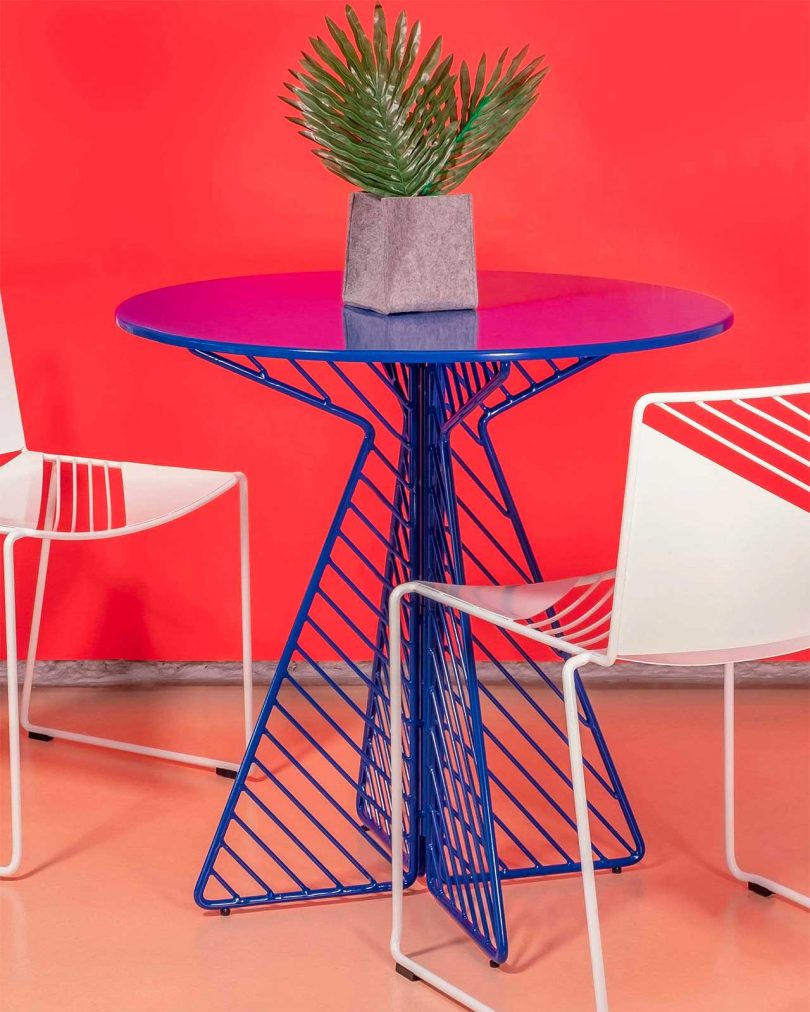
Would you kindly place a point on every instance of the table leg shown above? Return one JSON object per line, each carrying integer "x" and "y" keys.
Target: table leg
{"x": 497, "y": 799}
{"x": 461, "y": 861}
{"x": 308, "y": 815}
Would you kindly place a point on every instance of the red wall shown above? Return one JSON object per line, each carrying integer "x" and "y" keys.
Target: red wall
{"x": 143, "y": 144}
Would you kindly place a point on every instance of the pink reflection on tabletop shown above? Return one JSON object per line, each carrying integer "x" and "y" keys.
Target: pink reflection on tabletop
{"x": 521, "y": 315}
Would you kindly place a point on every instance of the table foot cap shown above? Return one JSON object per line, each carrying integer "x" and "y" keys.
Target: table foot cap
{"x": 38, "y": 736}
{"x": 403, "y": 971}
{"x": 228, "y": 774}
{"x": 754, "y": 887}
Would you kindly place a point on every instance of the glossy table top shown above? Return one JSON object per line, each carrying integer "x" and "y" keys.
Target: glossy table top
{"x": 520, "y": 316}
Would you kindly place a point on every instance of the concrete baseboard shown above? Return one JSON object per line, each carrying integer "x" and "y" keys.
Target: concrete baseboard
{"x": 154, "y": 673}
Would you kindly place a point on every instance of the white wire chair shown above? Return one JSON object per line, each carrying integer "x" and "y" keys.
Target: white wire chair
{"x": 49, "y": 497}
{"x": 713, "y": 568}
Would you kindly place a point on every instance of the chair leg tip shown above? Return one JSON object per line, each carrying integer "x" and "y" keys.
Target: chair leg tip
{"x": 754, "y": 887}
{"x": 403, "y": 971}
{"x": 38, "y": 736}
{"x": 228, "y": 774}
{"x": 616, "y": 870}
{"x": 494, "y": 964}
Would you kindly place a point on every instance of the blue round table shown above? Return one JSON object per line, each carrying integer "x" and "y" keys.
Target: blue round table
{"x": 487, "y": 795}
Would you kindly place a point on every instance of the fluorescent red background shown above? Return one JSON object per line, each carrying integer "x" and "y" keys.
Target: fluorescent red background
{"x": 143, "y": 144}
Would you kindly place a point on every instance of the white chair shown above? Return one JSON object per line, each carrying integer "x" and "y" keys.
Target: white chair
{"x": 713, "y": 568}
{"x": 62, "y": 498}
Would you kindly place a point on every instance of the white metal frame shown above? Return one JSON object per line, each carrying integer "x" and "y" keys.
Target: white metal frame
{"x": 579, "y": 657}
{"x": 190, "y": 490}
{"x": 603, "y": 648}
{"x": 752, "y": 879}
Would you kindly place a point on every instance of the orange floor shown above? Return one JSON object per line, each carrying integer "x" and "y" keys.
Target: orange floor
{"x": 102, "y": 916}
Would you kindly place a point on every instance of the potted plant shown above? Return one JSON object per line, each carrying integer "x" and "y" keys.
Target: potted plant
{"x": 407, "y": 132}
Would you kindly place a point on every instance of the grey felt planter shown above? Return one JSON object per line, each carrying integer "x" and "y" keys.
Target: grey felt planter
{"x": 410, "y": 254}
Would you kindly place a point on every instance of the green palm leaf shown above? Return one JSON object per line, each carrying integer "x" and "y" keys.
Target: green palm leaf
{"x": 488, "y": 113}
{"x": 374, "y": 119}
{"x": 397, "y": 127}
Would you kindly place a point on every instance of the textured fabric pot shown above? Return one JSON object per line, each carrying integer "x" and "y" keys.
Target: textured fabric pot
{"x": 410, "y": 254}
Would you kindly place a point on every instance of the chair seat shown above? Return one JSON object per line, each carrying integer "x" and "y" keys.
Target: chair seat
{"x": 80, "y": 498}
{"x": 576, "y": 610}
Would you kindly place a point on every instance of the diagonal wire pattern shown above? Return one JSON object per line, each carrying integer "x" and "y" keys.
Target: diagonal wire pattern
{"x": 524, "y": 728}
{"x": 317, "y": 780}
{"x": 487, "y": 795}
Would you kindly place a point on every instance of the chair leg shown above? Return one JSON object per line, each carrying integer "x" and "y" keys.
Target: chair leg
{"x": 406, "y": 966}
{"x": 244, "y": 567}
{"x": 756, "y": 883}
{"x": 583, "y": 828}
{"x": 13, "y": 712}
{"x": 223, "y": 766}
{"x": 33, "y": 639}
{"x": 230, "y": 770}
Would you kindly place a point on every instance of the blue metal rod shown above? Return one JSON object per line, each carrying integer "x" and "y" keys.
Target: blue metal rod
{"x": 275, "y": 819}
{"x": 244, "y": 865}
{"x": 327, "y": 796}
{"x": 270, "y": 853}
{"x": 315, "y": 822}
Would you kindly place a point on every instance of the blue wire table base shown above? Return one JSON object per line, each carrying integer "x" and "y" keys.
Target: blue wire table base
{"x": 487, "y": 787}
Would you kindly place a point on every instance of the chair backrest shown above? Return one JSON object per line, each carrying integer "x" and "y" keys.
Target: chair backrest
{"x": 11, "y": 429}
{"x": 714, "y": 555}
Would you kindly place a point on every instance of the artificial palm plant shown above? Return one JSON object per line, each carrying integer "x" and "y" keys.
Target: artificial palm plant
{"x": 397, "y": 127}
{"x": 402, "y": 129}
